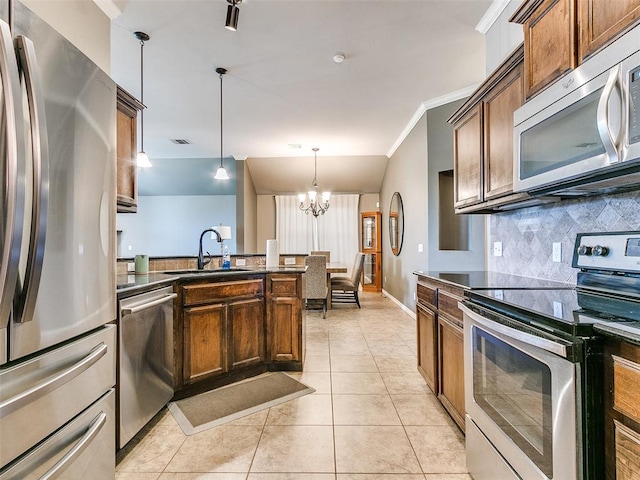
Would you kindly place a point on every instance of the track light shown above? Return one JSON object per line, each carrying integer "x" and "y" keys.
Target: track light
{"x": 233, "y": 13}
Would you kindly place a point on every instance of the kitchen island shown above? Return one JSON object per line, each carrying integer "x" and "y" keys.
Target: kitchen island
{"x": 230, "y": 324}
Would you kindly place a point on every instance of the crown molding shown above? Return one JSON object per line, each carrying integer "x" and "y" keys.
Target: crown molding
{"x": 491, "y": 15}
{"x": 109, "y": 8}
{"x": 427, "y": 105}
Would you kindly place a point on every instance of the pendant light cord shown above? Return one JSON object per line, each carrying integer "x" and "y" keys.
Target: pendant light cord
{"x": 142, "y": 94}
{"x": 221, "y": 120}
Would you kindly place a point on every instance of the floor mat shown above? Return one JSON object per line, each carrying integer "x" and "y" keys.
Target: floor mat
{"x": 206, "y": 410}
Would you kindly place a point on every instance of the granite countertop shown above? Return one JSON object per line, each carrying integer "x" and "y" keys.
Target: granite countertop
{"x": 130, "y": 282}
{"x": 482, "y": 279}
{"x": 626, "y": 331}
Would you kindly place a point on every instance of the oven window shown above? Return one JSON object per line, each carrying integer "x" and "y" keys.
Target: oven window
{"x": 567, "y": 137}
{"x": 514, "y": 389}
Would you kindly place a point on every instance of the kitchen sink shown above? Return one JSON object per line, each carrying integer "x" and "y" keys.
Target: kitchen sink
{"x": 210, "y": 270}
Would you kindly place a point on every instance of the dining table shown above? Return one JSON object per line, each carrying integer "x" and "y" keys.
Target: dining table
{"x": 333, "y": 267}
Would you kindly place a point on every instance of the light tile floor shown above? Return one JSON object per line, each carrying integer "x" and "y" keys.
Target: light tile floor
{"x": 372, "y": 416}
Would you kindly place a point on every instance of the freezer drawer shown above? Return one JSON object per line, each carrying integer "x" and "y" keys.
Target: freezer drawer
{"x": 84, "y": 449}
{"x": 40, "y": 395}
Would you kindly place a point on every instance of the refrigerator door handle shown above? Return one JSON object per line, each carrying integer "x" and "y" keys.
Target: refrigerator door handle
{"x": 24, "y": 305}
{"x": 62, "y": 464}
{"x": 14, "y": 403}
{"x": 13, "y": 177}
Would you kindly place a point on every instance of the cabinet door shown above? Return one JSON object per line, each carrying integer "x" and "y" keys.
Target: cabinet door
{"x": 427, "y": 346}
{"x": 451, "y": 375}
{"x": 467, "y": 141}
{"x": 499, "y": 105}
{"x": 549, "y": 43}
{"x": 126, "y": 151}
{"x": 246, "y": 333}
{"x": 283, "y": 329}
{"x": 601, "y": 21}
{"x": 205, "y": 350}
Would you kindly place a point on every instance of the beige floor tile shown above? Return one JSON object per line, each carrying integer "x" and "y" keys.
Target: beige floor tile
{"x": 444, "y": 476}
{"x": 258, "y": 418}
{"x": 353, "y": 364}
{"x": 379, "y": 476}
{"x": 317, "y": 363}
{"x": 152, "y": 452}
{"x": 364, "y": 410}
{"x": 219, "y": 449}
{"x": 396, "y": 364}
{"x": 349, "y": 348}
{"x": 358, "y": 383}
{"x": 421, "y": 409}
{"x": 439, "y": 449}
{"x": 136, "y": 476}
{"x": 291, "y": 476}
{"x": 391, "y": 349}
{"x": 405, "y": 383}
{"x": 312, "y": 409}
{"x": 203, "y": 476}
{"x": 298, "y": 448}
{"x": 319, "y": 381}
{"x": 374, "y": 449}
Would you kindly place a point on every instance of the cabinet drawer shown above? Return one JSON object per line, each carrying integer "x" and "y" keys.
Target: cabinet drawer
{"x": 210, "y": 292}
{"x": 281, "y": 286}
{"x": 627, "y": 452}
{"x": 448, "y": 304}
{"x": 427, "y": 295}
{"x": 626, "y": 378}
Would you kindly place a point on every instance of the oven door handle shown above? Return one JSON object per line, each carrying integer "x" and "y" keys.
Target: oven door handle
{"x": 543, "y": 343}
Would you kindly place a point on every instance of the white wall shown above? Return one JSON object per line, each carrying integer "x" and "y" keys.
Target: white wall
{"x": 503, "y": 37}
{"x": 171, "y": 225}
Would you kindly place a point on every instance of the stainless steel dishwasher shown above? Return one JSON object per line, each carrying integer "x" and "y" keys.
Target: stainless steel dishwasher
{"x": 146, "y": 366}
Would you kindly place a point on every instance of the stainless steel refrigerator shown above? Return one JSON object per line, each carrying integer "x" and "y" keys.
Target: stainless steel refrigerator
{"x": 57, "y": 247}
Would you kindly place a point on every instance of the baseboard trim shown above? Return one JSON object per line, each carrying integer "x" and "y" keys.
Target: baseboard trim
{"x": 406, "y": 309}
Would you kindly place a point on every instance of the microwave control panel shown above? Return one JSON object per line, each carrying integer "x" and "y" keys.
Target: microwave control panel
{"x": 634, "y": 105}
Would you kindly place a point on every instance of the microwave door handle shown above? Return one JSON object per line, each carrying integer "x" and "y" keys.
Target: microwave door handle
{"x": 24, "y": 306}
{"x": 604, "y": 119}
{"x": 14, "y": 175}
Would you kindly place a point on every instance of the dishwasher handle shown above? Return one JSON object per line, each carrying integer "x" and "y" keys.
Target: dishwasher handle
{"x": 144, "y": 306}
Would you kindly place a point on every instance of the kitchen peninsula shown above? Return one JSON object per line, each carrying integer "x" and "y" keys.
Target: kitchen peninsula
{"x": 230, "y": 324}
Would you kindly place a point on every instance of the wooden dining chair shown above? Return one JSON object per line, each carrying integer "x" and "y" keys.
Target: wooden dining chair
{"x": 345, "y": 289}
{"x": 316, "y": 281}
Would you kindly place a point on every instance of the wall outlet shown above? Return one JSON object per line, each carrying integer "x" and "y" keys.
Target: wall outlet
{"x": 131, "y": 266}
{"x": 557, "y": 252}
{"x": 557, "y": 309}
{"x": 497, "y": 249}
{"x": 241, "y": 262}
{"x": 420, "y": 248}
{"x": 289, "y": 261}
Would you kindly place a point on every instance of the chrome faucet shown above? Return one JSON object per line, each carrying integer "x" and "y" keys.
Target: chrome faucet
{"x": 201, "y": 261}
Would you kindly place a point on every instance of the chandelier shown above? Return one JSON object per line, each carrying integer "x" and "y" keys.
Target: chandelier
{"x": 311, "y": 202}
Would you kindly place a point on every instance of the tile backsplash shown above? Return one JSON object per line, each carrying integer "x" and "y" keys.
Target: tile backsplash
{"x": 528, "y": 235}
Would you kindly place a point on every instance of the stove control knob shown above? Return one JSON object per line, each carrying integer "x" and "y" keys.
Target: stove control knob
{"x": 584, "y": 250}
{"x": 599, "y": 251}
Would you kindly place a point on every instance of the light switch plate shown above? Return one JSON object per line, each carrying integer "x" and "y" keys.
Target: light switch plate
{"x": 420, "y": 248}
{"x": 131, "y": 267}
{"x": 241, "y": 262}
{"x": 497, "y": 249}
{"x": 557, "y": 252}
{"x": 289, "y": 261}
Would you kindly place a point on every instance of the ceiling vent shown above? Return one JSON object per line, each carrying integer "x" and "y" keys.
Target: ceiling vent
{"x": 181, "y": 141}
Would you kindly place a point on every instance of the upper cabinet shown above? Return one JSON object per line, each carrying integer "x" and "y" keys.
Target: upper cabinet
{"x": 561, "y": 34}
{"x": 483, "y": 141}
{"x": 127, "y": 148}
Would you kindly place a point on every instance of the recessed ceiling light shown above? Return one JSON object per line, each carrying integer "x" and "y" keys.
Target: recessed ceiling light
{"x": 339, "y": 57}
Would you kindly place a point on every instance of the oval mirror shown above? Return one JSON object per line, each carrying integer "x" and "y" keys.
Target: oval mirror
{"x": 396, "y": 223}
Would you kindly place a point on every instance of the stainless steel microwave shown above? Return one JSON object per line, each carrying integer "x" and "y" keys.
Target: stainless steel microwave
{"x": 581, "y": 135}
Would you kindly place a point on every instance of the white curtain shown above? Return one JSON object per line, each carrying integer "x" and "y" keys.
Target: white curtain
{"x": 337, "y": 228}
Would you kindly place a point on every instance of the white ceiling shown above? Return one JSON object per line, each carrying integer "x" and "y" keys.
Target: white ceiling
{"x": 282, "y": 85}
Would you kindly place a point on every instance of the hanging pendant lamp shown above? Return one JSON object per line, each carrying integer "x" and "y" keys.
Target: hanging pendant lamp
{"x": 221, "y": 173}
{"x": 142, "y": 160}
{"x": 233, "y": 13}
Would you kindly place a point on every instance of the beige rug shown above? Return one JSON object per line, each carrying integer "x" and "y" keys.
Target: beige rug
{"x": 224, "y": 404}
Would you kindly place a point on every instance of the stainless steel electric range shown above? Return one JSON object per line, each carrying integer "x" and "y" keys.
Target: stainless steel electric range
{"x": 533, "y": 366}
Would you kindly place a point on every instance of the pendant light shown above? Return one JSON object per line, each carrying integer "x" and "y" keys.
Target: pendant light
{"x": 233, "y": 13}
{"x": 221, "y": 174}
{"x": 312, "y": 202}
{"x": 142, "y": 159}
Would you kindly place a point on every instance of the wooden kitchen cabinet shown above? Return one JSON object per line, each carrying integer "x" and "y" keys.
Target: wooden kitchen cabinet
{"x": 561, "y": 34}
{"x": 285, "y": 321}
{"x": 246, "y": 333}
{"x": 127, "y": 109}
{"x": 622, "y": 410}
{"x": 441, "y": 343}
{"x": 483, "y": 142}
{"x": 205, "y": 352}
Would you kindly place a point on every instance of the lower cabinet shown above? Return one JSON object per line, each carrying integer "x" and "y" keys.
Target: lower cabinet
{"x": 246, "y": 333}
{"x": 205, "y": 342}
{"x": 441, "y": 344}
{"x": 284, "y": 319}
{"x": 622, "y": 411}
